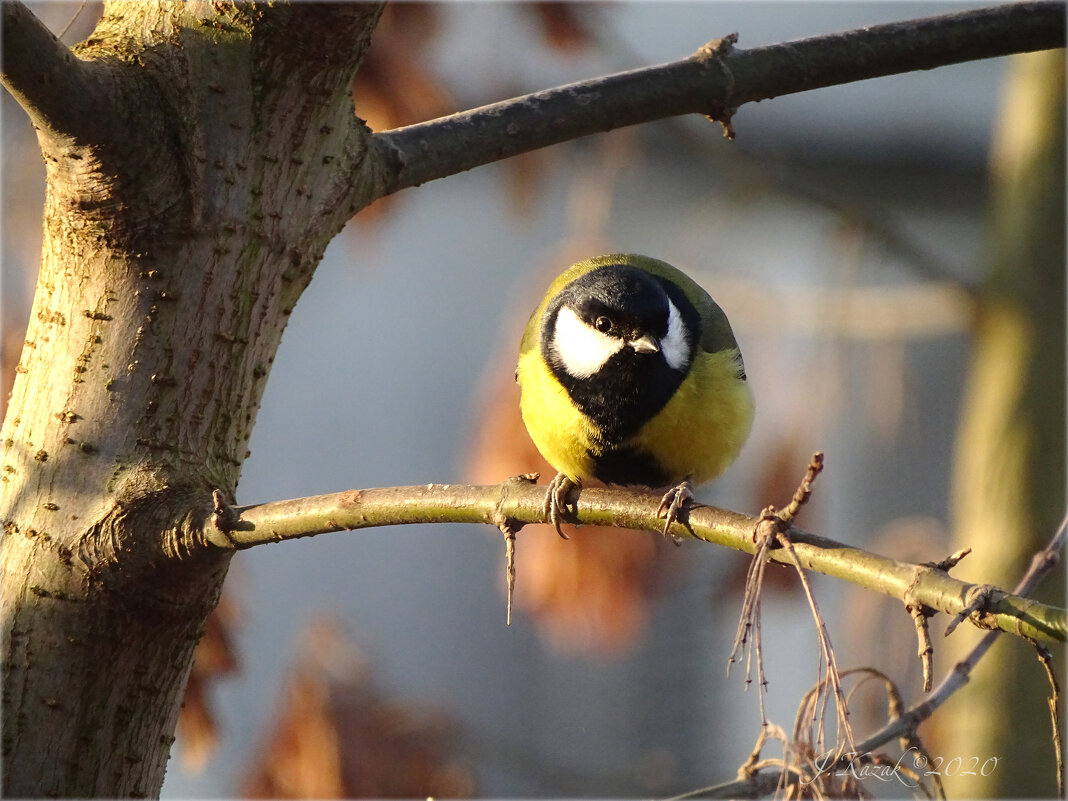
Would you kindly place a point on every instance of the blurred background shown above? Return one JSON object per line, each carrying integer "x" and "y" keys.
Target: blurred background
{"x": 856, "y": 238}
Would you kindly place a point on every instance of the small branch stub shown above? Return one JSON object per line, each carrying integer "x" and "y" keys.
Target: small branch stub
{"x": 925, "y": 651}
{"x": 920, "y": 613}
{"x": 951, "y": 561}
{"x": 223, "y": 515}
{"x": 804, "y": 491}
{"x": 509, "y": 558}
{"x": 980, "y": 597}
{"x": 1046, "y": 659}
{"x": 509, "y": 527}
{"x": 223, "y": 521}
{"x": 715, "y": 50}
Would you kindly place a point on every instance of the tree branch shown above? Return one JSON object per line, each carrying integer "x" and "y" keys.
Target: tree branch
{"x": 903, "y": 723}
{"x": 714, "y": 81}
{"x": 518, "y": 502}
{"x": 55, "y": 88}
{"x": 958, "y": 675}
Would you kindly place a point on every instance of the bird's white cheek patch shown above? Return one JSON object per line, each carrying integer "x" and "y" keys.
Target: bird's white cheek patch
{"x": 674, "y": 346}
{"x": 581, "y": 349}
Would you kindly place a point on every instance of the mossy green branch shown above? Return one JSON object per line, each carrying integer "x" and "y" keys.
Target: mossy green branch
{"x": 517, "y": 502}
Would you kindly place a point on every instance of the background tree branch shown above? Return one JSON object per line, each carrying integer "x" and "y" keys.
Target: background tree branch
{"x": 516, "y": 502}
{"x": 714, "y": 81}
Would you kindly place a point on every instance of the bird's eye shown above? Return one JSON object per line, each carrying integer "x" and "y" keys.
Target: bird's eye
{"x": 603, "y": 324}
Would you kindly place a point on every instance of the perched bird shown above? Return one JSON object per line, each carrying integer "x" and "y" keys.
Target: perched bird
{"x": 630, "y": 374}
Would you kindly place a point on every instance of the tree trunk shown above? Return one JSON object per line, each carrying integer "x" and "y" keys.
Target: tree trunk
{"x": 1009, "y": 481}
{"x": 198, "y": 162}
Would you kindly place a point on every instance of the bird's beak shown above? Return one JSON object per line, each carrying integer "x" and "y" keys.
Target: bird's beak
{"x": 644, "y": 344}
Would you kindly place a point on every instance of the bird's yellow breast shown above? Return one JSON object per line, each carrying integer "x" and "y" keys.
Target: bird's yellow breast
{"x": 561, "y": 432}
{"x": 705, "y": 423}
{"x": 696, "y": 435}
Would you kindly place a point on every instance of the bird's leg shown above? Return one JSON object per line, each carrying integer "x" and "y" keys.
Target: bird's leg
{"x": 675, "y": 502}
{"x": 556, "y": 501}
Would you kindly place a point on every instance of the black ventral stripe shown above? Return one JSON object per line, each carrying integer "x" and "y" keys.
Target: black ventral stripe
{"x": 629, "y": 466}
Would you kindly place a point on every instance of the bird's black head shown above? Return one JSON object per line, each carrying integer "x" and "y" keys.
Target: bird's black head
{"x": 620, "y": 340}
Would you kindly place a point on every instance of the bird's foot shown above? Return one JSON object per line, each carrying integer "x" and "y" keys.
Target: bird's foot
{"x": 675, "y": 506}
{"x": 558, "y": 504}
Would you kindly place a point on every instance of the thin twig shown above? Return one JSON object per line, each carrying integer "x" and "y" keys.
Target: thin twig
{"x": 747, "y": 635}
{"x": 910, "y": 740}
{"x": 752, "y": 766}
{"x": 764, "y": 535}
{"x": 771, "y": 530}
{"x": 71, "y": 21}
{"x": 925, "y": 651}
{"x": 787, "y": 516}
{"x": 827, "y": 649}
{"x": 804, "y": 491}
{"x": 1046, "y": 658}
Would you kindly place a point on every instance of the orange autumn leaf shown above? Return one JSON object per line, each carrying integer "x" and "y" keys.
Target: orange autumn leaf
{"x": 338, "y": 736}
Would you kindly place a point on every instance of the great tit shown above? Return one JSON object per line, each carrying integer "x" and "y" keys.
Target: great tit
{"x": 629, "y": 373}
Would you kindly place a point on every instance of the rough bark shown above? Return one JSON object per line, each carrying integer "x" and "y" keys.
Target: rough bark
{"x": 198, "y": 161}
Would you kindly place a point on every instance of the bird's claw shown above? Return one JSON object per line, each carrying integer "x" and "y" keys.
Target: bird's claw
{"x": 674, "y": 506}
{"x": 556, "y": 502}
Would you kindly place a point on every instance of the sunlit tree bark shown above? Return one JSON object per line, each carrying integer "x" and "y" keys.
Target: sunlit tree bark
{"x": 198, "y": 162}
